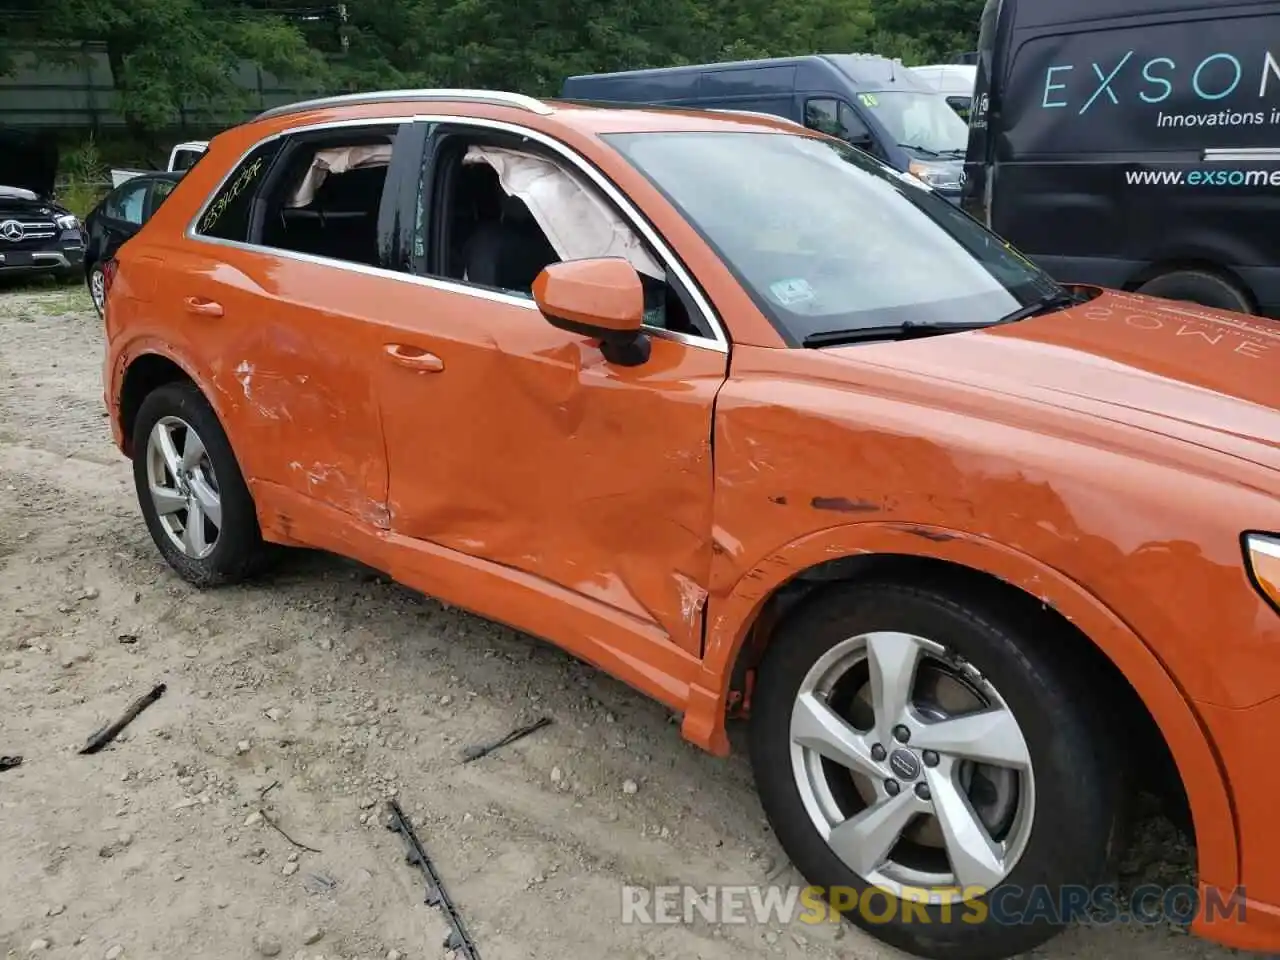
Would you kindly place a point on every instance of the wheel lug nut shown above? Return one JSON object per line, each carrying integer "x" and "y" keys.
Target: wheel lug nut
{"x": 892, "y": 787}
{"x": 930, "y": 758}
{"x": 901, "y": 733}
{"x": 922, "y": 791}
{"x": 878, "y": 753}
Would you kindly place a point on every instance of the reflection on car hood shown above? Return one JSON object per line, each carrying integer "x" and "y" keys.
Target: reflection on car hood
{"x": 1205, "y": 376}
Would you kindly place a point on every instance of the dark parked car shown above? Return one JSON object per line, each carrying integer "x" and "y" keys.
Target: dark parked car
{"x": 116, "y": 218}
{"x": 36, "y": 235}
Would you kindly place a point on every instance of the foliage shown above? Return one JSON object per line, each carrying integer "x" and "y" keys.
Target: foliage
{"x": 85, "y": 178}
{"x": 80, "y": 196}
{"x": 85, "y": 162}
{"x": 927, "y": 30}
{"x": 169, "y": 56}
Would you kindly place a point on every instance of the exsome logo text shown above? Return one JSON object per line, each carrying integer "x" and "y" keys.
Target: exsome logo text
{"x": 1214, "y": 78}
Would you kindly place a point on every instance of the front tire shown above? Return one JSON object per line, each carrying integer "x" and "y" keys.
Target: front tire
{"x": 193, "y": 496}
{"x": 906, "y": 744}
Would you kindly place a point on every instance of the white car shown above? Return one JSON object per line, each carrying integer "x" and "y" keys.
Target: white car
{"x": 181, "y": 157}
{"x": 955, "y": 81}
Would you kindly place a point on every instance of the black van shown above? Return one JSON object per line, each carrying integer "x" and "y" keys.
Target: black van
{"x": 872, "y": 102}
{"x": 1134, "y": 144}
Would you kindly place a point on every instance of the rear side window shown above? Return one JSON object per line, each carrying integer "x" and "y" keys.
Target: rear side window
{"x": 1157, "y": 87}
{"x": 227, "y": 215}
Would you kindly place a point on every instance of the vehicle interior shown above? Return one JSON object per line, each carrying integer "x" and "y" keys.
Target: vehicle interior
{"x": 504, "y": 210}
{"x": 493, "y": 238}
{"x": 325, "y": 200}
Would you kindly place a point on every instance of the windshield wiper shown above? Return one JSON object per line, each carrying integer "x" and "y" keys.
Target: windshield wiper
{"x": 894, "y": 331}
{"x": 1052, "y": 301}
{"x": 916, "y": 146}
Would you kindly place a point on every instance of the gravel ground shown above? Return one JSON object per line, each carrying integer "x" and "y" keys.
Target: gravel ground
{"x": 337, "y": 690}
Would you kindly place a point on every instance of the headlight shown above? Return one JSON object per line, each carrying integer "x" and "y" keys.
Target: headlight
{"x": 67, "y": 221}
{"x": 1262, "y": 557}
{"x": 935, "y": 175}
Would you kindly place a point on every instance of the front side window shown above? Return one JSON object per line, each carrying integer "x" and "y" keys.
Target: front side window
{"x": 836, "y": 119}
{"x": 826, "y": 239}
{"x": 502, "y": 215}
{"x": 226, "y": 216}
{"x": 919, "y": 121}
{"x": 961, "y": 105}
{"x": 160, "y": 189}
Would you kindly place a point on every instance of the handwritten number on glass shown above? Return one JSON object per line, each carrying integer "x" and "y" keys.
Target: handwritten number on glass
{"x": 228, "y": 196}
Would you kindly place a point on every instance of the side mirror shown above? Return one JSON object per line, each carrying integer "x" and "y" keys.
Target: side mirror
{"x": 601, "y": 298}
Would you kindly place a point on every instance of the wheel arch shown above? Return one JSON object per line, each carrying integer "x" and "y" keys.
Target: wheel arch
{"x": 1214, "y": 268}
{"x": 742, "y": 624}
{"x": 142, "y": 373}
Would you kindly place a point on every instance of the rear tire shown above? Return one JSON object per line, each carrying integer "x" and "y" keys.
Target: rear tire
{"x": 196, "y": 504}
{"x": 1199, "y": 286}
{"x": 1060, "y": 831}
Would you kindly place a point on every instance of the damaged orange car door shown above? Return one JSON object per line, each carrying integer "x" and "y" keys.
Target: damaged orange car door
{"x": 518, "y": 443}
{"x": 257, "y": 308}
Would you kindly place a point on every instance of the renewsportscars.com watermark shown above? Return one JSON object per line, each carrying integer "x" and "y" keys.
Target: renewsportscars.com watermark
{"x": 1005, "y": 906}
{"x": 1202, "y": 178}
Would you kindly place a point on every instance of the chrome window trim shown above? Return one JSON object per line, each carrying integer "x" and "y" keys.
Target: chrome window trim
{"x": 719, "y": 342}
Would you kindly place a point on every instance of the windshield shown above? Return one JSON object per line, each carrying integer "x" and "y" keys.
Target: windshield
{"x": 923, "y": 120}
{"x": 826, "y": 239}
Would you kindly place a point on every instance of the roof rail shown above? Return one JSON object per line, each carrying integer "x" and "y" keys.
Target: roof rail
{"x": 497, "y": 97}
{"x": 759, "y": 113}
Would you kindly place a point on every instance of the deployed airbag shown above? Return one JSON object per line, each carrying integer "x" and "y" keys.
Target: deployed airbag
{"x": 337, "y": 160}
{"x": 577, "y": 223}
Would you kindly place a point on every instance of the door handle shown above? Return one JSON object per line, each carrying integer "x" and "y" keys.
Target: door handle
{"x": 203, "y": 308}
{"x": 414, "y": 357}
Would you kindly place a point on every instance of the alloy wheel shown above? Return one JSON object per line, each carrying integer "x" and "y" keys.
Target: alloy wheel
{"x": 98, "y": 289}
{"x": 911, "y": 766}
{"x": 183, "y": 487}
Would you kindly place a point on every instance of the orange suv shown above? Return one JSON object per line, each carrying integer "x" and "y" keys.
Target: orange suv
{"x": 767, "y": 430}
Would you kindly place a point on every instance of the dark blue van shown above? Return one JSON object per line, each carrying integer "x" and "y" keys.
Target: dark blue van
{"x": 872, "y": 102}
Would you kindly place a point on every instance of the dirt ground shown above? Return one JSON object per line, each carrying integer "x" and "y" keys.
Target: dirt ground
{"x": 337, "y": 690}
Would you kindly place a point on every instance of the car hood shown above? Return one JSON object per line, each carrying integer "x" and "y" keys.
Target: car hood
{"x": 1200, "y": 375}
{"x": 24, "y": 206}
{"x": 28, "y": 162}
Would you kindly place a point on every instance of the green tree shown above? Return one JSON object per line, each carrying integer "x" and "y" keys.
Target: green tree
{"x": 169, "y": 56}
{"x": 926, "y": 31}
{"x": 531, "y": 46}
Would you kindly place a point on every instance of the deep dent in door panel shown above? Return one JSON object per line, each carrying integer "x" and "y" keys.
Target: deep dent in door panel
{"x": 551, "y": 461}
{"x": 295, "y": 377}
{"x": 601, "y": 545}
